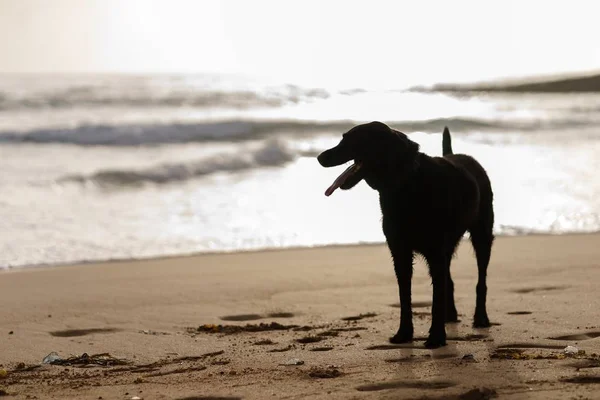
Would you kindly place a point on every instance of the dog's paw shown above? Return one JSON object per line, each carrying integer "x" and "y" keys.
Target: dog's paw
{"x": 437, "y": 338}
{"x": 481, "y": 321}
{"x": 434, "y": 342}
{"x": 402, "y": 337}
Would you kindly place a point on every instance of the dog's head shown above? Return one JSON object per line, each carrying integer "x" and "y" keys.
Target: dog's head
{"x": 382, "y": 156}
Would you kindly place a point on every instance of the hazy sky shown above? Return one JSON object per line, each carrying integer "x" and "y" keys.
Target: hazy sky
{"x": 356, "y": 42}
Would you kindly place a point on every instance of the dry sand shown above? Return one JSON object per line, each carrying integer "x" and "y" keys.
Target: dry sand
{"x": 543, "y": 296}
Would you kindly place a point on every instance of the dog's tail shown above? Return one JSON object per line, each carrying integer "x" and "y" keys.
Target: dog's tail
{"x": 446, "y": 142}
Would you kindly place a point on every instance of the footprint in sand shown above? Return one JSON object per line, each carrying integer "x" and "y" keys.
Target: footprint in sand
{"x": 539, "y": 289}
{"x": 82, "y": 332}
{"x": 519, "y": 312}
{"x": 241, "y": 317}
{"x": 282, "y": 350}
{"x": 402, "y": 360}
{"x": 405, "y": 385}
{"x": 350, "y": 329}
{"x": 585, "y": 364}
{"x": 325, "y": 348}
{"x": 577, "y": 336}
{"x": 281, "y": 315}
{"x": 254, "y": 317}
{"x": 310, "y": 339}
{"x": 264, "y": 342}
{"x": 582, "y": 379}
{"x": 359, "y": 317}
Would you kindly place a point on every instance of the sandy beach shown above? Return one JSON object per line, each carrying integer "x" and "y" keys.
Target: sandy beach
{"x": 168, "y": 326}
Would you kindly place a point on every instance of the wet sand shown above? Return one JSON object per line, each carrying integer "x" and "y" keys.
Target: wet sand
{"x": 309, "y": 323}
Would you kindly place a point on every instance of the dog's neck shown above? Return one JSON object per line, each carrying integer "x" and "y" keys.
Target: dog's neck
{"x": 407, "y": 173}
{"x": 399, "y": 175}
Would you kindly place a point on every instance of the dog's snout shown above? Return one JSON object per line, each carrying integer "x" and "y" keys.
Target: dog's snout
{"x": 335, "y": 156}
{"x": 321, "y": 158}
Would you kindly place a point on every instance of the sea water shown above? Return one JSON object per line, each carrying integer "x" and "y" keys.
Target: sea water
{"x": 99, "y": 167}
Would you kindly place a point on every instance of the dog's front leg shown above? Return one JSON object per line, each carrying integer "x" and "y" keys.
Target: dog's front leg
{"x": 403, "y": 266}
{"x": 439, "y": 276}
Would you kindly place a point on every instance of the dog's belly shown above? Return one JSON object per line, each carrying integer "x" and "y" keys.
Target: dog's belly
{"x": 426, "y": 229}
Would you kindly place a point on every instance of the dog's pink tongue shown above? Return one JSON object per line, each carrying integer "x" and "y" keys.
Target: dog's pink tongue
{"x": 341, "y": 179}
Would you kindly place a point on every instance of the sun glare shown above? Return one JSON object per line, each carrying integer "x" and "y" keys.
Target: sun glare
{"x": 376, "y": 43}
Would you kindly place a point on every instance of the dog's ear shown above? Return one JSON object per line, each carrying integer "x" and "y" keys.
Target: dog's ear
{"x": 403, "y": 154}
{"x": 404, "y": 146}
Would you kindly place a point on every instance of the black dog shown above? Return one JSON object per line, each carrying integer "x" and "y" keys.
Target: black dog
{"x": 428, "y": 203}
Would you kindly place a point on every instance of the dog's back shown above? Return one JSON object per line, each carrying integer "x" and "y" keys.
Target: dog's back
{"x": 471, "y": 167}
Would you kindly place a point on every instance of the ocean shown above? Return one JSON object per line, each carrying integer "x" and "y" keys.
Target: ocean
{"x": 103, "y": 167}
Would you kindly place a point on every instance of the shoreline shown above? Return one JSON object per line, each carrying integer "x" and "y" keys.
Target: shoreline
{"x": 167, "y": 257}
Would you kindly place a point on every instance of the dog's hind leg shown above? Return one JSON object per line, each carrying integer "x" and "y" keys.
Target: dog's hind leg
{"x": 482, "y": 239}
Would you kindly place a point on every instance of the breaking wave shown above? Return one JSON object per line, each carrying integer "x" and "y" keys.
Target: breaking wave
{"x": 271, "y": 154}
{"x": 144, "y": 96}
{"x": 244, "y": 130}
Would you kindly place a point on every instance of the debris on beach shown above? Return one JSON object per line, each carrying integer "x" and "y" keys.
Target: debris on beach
{"x": 231, "y": 329}
{"x": 22, "y": 367}
{"x": 520, "y": 354}
{"x": 51, "y": 358}
{"x": 153, "y": 333}
{"x": 103, "y": 360}
{"x": 293, "y": 361}
{"x": 571, "y": 350}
